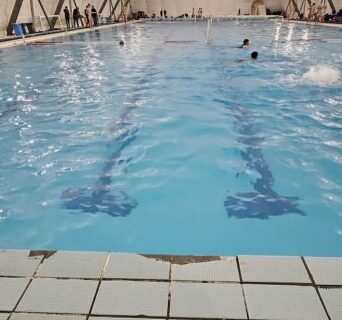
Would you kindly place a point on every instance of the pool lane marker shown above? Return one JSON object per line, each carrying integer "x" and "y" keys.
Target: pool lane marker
{"x": 101, "y": 198}
{"x": 40, "y": 43}
{"x": 263, "y": 202}
{"x": 180, "y": 42}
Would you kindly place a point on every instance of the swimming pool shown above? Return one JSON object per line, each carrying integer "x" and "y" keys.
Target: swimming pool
{"x": 173, "y": 145}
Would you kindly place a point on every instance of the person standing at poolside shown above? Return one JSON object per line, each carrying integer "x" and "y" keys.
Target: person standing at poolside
{"x": 324, "y": 11}
{"x": 319, "y": 14}
{"x": 94, "y": 15}
{"x": 86, "y": 16}
{"x": 165, "y": 13}
{"x": 76, "y": 15}
{"x": 124, "y": 14}
{"x": 90, "y": 18}
{"x": 161, "y": 13}
{"x": 67, "y": 17}
{"x": 312, "y": 12}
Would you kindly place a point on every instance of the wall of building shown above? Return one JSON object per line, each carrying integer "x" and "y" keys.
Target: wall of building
{"x": 210, "y": 7}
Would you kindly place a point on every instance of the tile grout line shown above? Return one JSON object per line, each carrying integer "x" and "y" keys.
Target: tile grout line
{"x": 110, "y": 316}
{"x": 169, "y": 294}
{"x": 27, "y": 286}
{"x": 316, "y": 287}
{"x": 298, "y": 284}
{"x": 241, "y": 282}
{"x": 104, "y": 269}
{"x": 46, "y": 313}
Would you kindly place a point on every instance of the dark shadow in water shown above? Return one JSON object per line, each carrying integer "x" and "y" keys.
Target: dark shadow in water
{"x": 103, "y": 197}
{"x": 263, "y": 202}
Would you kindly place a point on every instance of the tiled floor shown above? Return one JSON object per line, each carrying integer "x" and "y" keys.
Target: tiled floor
{"x": 90, "y": 286}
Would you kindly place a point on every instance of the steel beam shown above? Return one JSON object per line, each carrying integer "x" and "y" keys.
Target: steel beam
{"x": 114, "y": 8}
{"x": 103, "y": 6}
{"x": 45, "y": 14}
{"x": 296, "y": 7}
{"x": 14, "y": 16}
{"x": 57, "y": 12}
{"x": 32, "y": 15}
{"x": 332, "y": 6}
{"x": 124, "y": 6}
{"x": 111, "y": 5}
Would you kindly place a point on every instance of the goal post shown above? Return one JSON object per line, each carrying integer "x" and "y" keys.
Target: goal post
{"x": 44, "y": 25}
{"x": 217, "y": 27}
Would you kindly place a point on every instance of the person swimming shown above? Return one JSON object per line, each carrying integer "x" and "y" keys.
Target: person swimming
{"x": 121, "y": 42}
{"x": 245, "y": 44}
{"x": 254, "y": 55}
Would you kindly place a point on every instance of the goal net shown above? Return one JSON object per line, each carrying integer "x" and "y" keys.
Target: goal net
{"x": 220, "y": 28}
{"x": 41, "y": 23}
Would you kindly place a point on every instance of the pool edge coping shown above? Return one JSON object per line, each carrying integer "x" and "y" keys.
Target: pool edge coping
{"x": 66, "y": 33}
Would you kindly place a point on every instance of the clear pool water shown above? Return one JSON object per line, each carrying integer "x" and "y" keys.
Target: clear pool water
{"x": 172, "y": 145}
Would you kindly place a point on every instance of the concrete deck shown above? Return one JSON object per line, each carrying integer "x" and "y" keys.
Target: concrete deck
{"x": 39, "y": 285}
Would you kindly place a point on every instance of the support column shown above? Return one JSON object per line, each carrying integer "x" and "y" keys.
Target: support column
{"x": 14, "y": 16}
{"x": 32, "y": 16}
{"x": 57, "y": 12}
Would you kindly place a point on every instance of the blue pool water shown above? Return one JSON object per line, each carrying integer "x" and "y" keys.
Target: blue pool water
{"x": 170, "y": 144}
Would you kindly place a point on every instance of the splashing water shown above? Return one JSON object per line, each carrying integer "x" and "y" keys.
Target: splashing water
{"x": 322, "y": 75}
{"x": 319, "y": 75}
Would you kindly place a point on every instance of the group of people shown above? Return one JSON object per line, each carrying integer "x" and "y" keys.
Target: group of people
{"x": 90, "y": 14}
{"x": 317, "y": 12}
{"x": 163, "y": 13}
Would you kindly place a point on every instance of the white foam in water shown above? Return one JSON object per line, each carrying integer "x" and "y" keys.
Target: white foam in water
{"x": 322, "y": 75}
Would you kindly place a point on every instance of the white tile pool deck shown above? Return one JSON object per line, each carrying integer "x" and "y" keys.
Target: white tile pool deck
{"x": 40, "y": 285}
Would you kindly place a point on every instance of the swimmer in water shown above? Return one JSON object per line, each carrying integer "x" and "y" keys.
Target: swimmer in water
{"x": 254, "y": 55}
{"x": 245, "y": 44}
{"x": 121, "y": 43}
